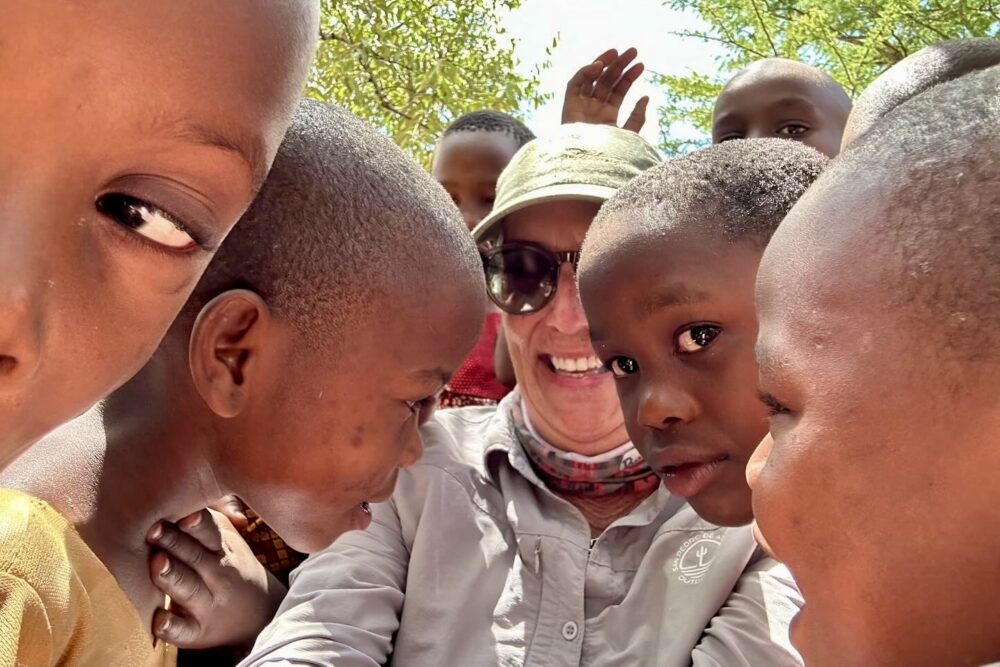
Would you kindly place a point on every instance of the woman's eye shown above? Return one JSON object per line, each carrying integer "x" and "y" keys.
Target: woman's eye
{"x": 145, "y": 219}
{"x": 697, "y": 338}
{"x": 792, "y": 130}
{"x": 730, "y": 137}
{"x": 623, "y": 366}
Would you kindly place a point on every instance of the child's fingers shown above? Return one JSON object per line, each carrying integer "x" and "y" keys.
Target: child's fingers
{"x": 582, "y": 83}
{"x": 184, "y": 549}
{"x": 184, "y": 586}
{"x": 638, "y": 116}
{"x": 181, "y": 631}
{"x": 206, "y": 527}
{"x": 607, "y": 57}
{"x": 624, "y": 84}
{"x": 231, "y": 507}
{"x": 609, "y": 79}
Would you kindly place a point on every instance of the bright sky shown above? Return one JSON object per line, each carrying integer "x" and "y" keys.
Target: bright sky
{"x": 586, "y": 28}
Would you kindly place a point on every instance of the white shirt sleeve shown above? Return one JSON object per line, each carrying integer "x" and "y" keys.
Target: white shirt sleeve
{"x": 751, "y": 629}
{"x": 343, "y": 603}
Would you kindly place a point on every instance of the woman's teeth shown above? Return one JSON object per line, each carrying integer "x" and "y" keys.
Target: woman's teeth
{"x": 576, "y": 364}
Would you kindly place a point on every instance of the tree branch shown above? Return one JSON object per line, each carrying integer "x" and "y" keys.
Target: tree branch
{"x": 760, "y": 20}
{"x": 727, "y": 42}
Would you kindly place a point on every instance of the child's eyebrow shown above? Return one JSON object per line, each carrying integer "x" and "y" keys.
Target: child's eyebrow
{"x": 668, "y": 297}
{"x": 246, "y": 145}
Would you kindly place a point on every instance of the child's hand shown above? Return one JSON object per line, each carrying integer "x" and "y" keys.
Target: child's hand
{"x": 220, "y": 593}
{"x": 596, "y": 92}
{"x": 232, "y": 508}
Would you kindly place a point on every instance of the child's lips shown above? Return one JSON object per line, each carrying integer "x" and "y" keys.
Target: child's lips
{"x": 687, "y": 475}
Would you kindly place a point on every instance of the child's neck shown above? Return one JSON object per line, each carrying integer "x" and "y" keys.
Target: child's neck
{"x": 114, "y": 471}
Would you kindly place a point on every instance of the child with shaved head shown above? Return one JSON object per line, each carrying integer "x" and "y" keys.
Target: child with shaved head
{"x": 666, "y": 278}
{"x": 915, "y": 74}
{"x": 879, "y": 307}
{"x": 775, "y": 97}
{"x": 296, "y": 377}
{"x": 134, "y": 135}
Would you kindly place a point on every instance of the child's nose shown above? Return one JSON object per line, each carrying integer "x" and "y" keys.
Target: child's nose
{"x": 758, "y": 460}
{"x": 662, "y": 406}
{"x": 412, "y": 452}
{"x": 20, "y": 304}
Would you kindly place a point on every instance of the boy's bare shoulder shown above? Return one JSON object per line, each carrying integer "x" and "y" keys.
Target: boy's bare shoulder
{"x": 63, "y": 469}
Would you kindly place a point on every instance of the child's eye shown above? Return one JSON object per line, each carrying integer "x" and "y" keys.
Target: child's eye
{"x": 730, "y": 137}
{"x": 792, "y": 130}
{"x": 697, "y": 338}
{"x": 145, "y": 219}
{"x": 622, "y": 366}
{"x": 423, "y": 408}
{"x": 774, "y": 406}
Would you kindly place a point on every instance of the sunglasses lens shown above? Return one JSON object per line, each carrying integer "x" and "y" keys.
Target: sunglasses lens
{"x": 519, "y": 278}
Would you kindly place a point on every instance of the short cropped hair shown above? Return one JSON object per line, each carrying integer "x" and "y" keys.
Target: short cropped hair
{"x": 344, "y": 224}
{"x": 488, "y": 120}
{"x": 738, "y": 190}
{"x": 916, "y": 74}
{"x": 933, "y": 162}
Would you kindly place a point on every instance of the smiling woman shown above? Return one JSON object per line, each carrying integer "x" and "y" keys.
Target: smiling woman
{"x": 533, "y": 533}
{"x": 150, "y": 170}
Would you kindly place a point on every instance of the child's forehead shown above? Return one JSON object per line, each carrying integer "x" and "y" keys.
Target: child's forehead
{"x": 630, "y": 252}
{"x": 478, "y": 141}
{"x": 775, "y": 90}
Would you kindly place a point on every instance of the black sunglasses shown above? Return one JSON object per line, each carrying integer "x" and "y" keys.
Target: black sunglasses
{"x": 521, "y": 278}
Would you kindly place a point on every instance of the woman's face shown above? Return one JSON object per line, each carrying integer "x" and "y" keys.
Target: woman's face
{"x": 569, "y": 394}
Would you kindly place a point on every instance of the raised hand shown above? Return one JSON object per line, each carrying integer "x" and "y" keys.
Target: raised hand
{"x": 220, "y": 593}
{"x": 596, "y": 92}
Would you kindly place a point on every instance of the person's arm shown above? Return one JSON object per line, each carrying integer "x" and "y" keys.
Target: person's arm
{"x": 751, "y": 629}
{"x": 596, "y": 92}
{"x": 343, "y": 604}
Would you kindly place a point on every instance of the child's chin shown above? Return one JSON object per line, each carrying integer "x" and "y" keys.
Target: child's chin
{"x": 721, "y": 512}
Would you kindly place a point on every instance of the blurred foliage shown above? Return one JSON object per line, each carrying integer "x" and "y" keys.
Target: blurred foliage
{"x": 411, "y": 66}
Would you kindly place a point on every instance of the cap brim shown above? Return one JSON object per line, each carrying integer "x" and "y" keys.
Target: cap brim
{"x": 490, "y": 226}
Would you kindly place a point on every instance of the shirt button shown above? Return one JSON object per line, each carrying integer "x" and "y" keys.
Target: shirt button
{"x": 570, "y": 630}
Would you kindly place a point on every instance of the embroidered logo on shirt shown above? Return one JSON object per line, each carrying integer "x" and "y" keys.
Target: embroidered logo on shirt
{"x": 695, "y": 557}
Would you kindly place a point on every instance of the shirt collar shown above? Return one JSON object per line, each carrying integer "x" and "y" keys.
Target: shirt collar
{"x": 502, "y": 447}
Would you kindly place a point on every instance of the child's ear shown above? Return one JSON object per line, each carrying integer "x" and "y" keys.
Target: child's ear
{"x": 226, "y": 344}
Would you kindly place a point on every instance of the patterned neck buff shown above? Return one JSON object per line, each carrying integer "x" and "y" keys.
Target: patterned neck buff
{"x": 620, "y": 471}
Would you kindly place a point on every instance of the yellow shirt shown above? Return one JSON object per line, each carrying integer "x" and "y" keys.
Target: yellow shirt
{"x": 59, "y": 605}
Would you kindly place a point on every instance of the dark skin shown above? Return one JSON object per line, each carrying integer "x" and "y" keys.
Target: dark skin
{"x": 155, "y": 141}
{"x": 673, "y": 319}
{"x": 879, "y": 491}
{"x": 207, "y": 422}
{"x": 783, "y": 99}
{"x": 467, "y": 165}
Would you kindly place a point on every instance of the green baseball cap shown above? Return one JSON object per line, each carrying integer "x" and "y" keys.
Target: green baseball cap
{"x": 578, "y": 161}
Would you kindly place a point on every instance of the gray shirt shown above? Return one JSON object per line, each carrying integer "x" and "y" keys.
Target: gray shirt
{"x": 475, "y": 562}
